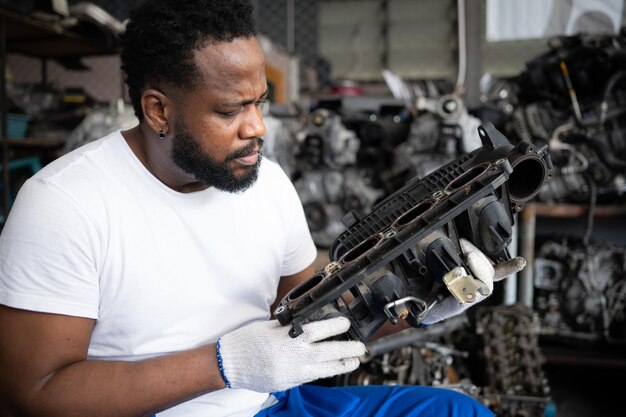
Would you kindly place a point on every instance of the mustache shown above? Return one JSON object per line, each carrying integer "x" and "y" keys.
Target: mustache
{"x": 254, "y": 145}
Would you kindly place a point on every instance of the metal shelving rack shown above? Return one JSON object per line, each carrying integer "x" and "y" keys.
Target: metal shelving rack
{"x": 44, "y": 40}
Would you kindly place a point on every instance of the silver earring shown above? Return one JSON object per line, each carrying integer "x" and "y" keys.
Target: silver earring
{"x": 161, "y": 134}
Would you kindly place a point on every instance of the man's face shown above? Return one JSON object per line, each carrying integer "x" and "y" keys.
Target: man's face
{"x": 191, "y": 158}
{"x": 218, "y": 126}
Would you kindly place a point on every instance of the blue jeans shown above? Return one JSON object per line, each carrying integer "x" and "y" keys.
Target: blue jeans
{"x": 374, "y": 401}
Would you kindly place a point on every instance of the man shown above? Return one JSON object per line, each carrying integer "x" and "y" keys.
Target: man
{"x": 138, "y": 272}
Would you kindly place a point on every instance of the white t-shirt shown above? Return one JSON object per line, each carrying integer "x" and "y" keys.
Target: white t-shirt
{"x": 95, "y": 235}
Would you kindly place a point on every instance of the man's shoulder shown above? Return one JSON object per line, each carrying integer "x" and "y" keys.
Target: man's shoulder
{"x": 81, "y": 161}
{"x": 85, "y": 173}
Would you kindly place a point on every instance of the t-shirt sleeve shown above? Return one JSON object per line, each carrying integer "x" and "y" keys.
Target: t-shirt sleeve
{"x": 48, "y": 254}
{"x": 300, "y": 250}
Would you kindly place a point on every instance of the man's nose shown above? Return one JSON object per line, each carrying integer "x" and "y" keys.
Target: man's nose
{"x": 252, "y": 126}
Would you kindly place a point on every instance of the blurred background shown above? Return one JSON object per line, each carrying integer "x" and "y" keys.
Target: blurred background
{"x": 369, "y": 94}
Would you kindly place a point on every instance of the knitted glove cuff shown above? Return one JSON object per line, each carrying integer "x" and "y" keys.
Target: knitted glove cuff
{"x": 220, "y": 363}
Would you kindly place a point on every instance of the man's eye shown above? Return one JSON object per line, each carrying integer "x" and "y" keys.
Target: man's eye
{"x": 230, "y": 113}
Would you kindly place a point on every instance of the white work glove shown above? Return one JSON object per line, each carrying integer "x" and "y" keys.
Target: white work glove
{"x": 263, "y": 357}
{"x": 483, "y": 272}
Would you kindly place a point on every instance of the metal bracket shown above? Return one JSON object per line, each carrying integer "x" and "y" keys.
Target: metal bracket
{"x": 462, "y": 285}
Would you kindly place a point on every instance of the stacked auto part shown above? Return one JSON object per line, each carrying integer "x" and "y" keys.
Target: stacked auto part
{"x": 512, "y": 362}
{"x": 441, "y": 130}
{"x": 389, "y": 264}
{"x": 352, "y": 153}
{"x": 573, "y": 97}
{"x": 493, "y": 357}
{"x": 326, "y": 177}
{"x": 580, "y": 290}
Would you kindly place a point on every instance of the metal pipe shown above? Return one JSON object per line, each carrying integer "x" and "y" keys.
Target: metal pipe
{"x": 527, "y": 244}
{"x": 462, "y": 45}
{"x": 510, "y": 284}
{"x": 409, "y": 336}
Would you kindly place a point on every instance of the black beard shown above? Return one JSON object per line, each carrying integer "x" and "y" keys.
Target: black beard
{"x": 188, "y": 156}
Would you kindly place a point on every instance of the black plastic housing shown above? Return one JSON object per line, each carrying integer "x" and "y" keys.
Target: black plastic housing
{"x": 389, "y": 264}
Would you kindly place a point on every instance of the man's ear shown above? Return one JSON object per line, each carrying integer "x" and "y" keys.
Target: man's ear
{"x": 156, "y": 109}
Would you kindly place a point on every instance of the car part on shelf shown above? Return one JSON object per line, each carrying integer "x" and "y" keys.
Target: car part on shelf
{"x": 325, "y": 142}
{"x": 412, "y": 335}
{"x": 327, "y": 179}
{"x": 511, "y": 361}
{"x": 493, "y": 357}
{"x": 580, "y": 290}
{"x": 278, "y": 143}
{"x": 442, "y": 129}
{"x": 389, "y": 264}
{"x": 573, "y": 97}
{"x": 327, "y": 195}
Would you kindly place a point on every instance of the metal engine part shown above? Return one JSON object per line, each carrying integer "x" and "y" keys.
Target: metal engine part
{"x": 327, "y": 179}
{"x": 421, "y": 363}
{"x": 580, "y": 290}
{"x": 389, "y": 264}
{"x": 414, "y": 356}
{"x": 494, "y": 358}
{"x": 327, "y": 195}
{"x": 430, "y": 146}
{"x": 277, "y": 144}
{"x": 442, "y": 129}
{"x": 325, "y": 142}
{"x": 512, "y": 361}
{"x": 573, "y": 97}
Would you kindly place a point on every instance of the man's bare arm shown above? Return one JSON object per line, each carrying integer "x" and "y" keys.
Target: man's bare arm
{"x": 44, "y": 371}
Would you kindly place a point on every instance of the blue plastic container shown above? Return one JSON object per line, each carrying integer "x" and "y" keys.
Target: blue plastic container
{"x": 17, "y": 125}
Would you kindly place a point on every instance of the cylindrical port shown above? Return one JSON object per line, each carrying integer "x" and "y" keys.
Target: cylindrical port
{"x": 413, "y": 214}
{"x": 305, "y": 287}
{"x": 283, "y": 314}
{"x": 467, "y": 177}
{"x": 526, "y": 179}
{"x": 361, "y": 249}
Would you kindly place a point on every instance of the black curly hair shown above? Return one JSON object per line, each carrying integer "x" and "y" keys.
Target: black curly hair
{"x": 161, "y": 36}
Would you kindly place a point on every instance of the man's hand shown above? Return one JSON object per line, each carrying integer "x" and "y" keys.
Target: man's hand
{"x": 263, "y": 357}
{"x": 484, "y": 273}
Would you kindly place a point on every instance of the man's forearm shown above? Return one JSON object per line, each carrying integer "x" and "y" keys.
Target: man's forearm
{"x": 116, "y": 388}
